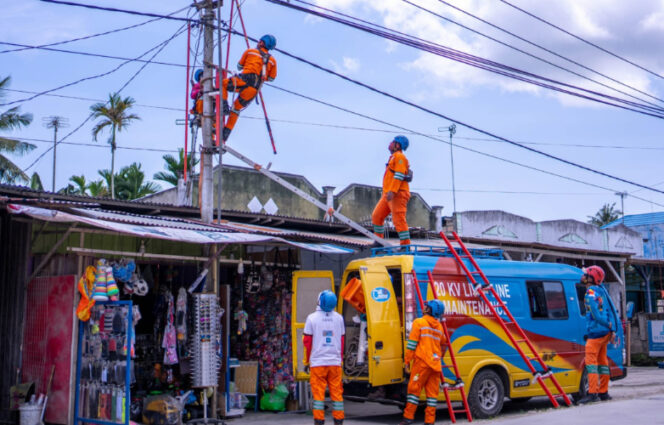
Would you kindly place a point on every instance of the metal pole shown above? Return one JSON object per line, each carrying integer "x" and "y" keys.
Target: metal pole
{"x": 220, "y": 122}
{"x": 55, "y": 122}
{"x": 55, "y": 144}
{"x": 452, "y": 130}
{"x": 622, "y": 204}
{"x": 207, "y": 178}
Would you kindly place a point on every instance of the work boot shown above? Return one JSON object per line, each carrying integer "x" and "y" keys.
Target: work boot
{"x": 605, "y": 396}
{"x": 338, "y": 422}
{"x": 225, "y": 134}
{"x": 319, "y": 421}
{"x": 590, "y": 398}
{"x": 226, "y": 108}
{"x": 406, "y": 421}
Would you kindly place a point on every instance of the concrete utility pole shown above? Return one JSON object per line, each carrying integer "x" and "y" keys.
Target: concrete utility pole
{"x": 55, "y": 122}
{"x": 622, "y": 204}
{"x": 207, "y": 149}
{"x": 452, "y": 130}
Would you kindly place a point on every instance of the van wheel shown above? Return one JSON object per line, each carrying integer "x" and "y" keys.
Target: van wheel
{"x": 486, "y": 395}
{"x": 583, "y": 387}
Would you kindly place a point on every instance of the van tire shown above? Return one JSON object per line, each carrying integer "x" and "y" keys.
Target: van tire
{"x": 486, "y": 395}
{"x": 583, "y": 387}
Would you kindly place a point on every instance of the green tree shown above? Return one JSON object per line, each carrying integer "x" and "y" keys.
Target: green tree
{"x": 175, "y": 167}
{"x": 114, "y": 114}
{"x": 12, "y": 119}
{"x": 36, "y": 183}
{"x": 80, "y": 185}
{"x": 605, "y": 215}
{"x": 98, "y": 188}
{"x": 132, "y": 185}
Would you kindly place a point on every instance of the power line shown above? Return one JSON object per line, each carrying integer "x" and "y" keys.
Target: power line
{"x": 488, "y": 65}
{"x": 516, "y": 192}
{"x": 582, "y": 39}
{"x": 76, "y": 52}
{"x": 97, "y": 145}
{"x": 159, "y": 47}
{"x": 87, "y": 37}
{"x": 546, "y": 50}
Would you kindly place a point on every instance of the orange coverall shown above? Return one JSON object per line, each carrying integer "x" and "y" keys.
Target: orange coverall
{"x": 319, "y": 378}
{"x": 257, "y": 65}
{"x": 597, "y": 364}
{"x": 395, "y": 172}
{"x": 424, "y": 346}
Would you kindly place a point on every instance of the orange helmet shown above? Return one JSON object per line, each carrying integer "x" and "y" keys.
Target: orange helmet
{"x": 596, "y": 273}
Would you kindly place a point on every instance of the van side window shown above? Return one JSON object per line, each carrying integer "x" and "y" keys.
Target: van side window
{"x": 580, "y": 297}
{"x": 547, "y": 300}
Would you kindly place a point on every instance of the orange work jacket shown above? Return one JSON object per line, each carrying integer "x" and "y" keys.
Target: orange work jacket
{"x": 395, "y": 172}
{"x": 251, "y": 62}
{"x": 424, "y": 342}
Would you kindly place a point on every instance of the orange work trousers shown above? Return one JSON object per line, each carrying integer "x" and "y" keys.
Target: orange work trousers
{"x": 397, "y": 206}
{"x": 597, "y": 364}
{"x": 245, "y": 85}
{"x": 329, "y": 376}
{"x": 422, "y": 375}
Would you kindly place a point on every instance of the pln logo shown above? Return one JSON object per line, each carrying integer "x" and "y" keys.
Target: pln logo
{"x": 380, "y": 294}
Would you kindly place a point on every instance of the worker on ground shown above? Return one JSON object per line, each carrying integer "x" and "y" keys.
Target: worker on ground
{"x": 424, "y": 350}
{"x": 256, "y": 66}
{"x": 599, "y": 332}
{"x": 323, "y": 340}
{"x": 396, "y": 192}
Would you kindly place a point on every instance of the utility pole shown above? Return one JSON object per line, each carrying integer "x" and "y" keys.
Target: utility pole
{"x": 622, "y": 204}
{"x": 207, "y": 150}
{"x": 55, "y": 122}
{"x": 452, "y": 130}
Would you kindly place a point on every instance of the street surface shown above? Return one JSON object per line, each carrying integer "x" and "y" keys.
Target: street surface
{"x": 637, "y": 400}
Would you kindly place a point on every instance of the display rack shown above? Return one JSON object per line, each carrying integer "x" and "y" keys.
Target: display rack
{"x": 104, "y": 393}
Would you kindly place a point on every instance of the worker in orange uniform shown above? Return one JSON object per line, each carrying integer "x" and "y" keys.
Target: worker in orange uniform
{"x": 256, "y": 66}
{"x": 324, "y": 334}
{"x": 601, "y": 324}
{"x": 396, "y": 192}
{"x": 424, "y": 350}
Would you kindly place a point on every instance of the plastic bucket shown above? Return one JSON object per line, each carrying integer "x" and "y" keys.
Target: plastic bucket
{"x": 30, "y": 414}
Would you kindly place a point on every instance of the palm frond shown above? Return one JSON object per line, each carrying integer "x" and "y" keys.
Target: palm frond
{"x": 15, "y": 147}
{"x": 36, "y": 183}
{"x": 10, "y": 172}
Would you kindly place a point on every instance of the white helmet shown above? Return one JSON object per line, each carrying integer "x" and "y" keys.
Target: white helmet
{"x": 141, "y": 287}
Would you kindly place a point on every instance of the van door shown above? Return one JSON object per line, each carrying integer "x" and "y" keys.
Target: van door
{"x": 307, "y": 284}
{"x": 383, "y": 327}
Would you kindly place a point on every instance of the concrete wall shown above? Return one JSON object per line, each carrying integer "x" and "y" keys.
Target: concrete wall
{"x": 497, "y": 225}
{"x": 571, "y": 233}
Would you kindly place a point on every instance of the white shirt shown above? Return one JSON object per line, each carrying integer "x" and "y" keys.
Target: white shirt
{"x": 326, "y": 329}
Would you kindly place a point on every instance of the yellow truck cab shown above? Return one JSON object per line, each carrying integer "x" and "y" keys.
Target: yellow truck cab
{"x": 378, "y": 301}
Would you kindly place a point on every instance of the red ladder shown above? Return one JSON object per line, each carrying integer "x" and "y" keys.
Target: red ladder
{"x": 447, "y": 345}
{"x": 482, "y": 289}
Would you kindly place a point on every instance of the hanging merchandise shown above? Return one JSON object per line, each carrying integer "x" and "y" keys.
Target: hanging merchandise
{"x": 205, "y": 341}
{"x": 267, "y": 275}
{"x": 253, "y": 284}
{"x": 169, "y": 342}
{"x": 100, "y": 292}
{"x": 181, "y": 321}
{"x": 140, "y": 286}
{"x": 86, "y": 287}
{"x": 241, "y": 316}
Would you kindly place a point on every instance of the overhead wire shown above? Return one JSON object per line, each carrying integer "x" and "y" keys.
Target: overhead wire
{"x": 488, "y": 65}
{"x": 160, "y": 47}
{"x": 582, "y": 39}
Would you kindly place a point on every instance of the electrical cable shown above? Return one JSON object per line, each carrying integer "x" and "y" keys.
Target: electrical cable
{"x": 538, "y": 57}
{"x": 92, "y": 77}
{"x": 160, "y": 47}
{"x": 97, "y": 145}
{"x": 96, "y": 55}
{"x": 340, "y": 108}
{"x": 488, "y": 65}
{"x": 525, "y": 40}
{"x": 87, "y": 37}
{"x": 582, "y": 39}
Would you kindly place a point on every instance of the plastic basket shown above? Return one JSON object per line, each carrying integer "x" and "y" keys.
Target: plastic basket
{"x": 353, "y": 294}
{"x": 30, "y": 414}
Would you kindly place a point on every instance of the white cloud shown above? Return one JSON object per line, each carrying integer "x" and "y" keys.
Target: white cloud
{"x": 348, "y": 65}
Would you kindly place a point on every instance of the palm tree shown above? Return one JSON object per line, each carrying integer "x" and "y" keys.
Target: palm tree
{"x": 175, "y": 167}
{"x": 9, "y": 120}
{"x": 131, "y": 183}
{"x": 113, "y": 113}
{"x": 80, "y": 184}
{"x": 98, "y": 188}
{"x": 605, "y": 215}
{"x": 36, "y": 183}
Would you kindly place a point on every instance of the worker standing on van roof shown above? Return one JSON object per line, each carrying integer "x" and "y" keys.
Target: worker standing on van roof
{"x": 424, "y": 350}
{"x": 599, "y": 328}
{"x": 257, "y": 65}
{"x": 396, "y": 192}
{"x": 323, "y": 340}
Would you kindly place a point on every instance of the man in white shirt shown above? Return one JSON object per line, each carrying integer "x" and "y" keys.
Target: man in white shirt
{"x": 323, "y": 340}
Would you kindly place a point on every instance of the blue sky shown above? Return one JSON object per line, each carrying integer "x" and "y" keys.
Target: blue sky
{"x": 336, "y": 156}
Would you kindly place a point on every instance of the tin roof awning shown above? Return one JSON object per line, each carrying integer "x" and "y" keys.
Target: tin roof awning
{"x": 181, "y": 230}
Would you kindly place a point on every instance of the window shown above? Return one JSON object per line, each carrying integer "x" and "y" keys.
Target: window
{"x": 580, "y": 297}
{"x": 547, "y": 300}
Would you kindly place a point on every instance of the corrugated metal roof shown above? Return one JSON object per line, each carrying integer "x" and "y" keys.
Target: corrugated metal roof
{"x": 637, "y": 220}
{"x": 145, "y": 220}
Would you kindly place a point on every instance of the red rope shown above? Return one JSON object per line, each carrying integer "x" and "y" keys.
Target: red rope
{"x": 186, "y": 103}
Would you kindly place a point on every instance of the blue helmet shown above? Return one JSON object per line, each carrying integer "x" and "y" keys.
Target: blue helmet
{"x": 270, "y": 41}
{"x": 402, "y": 141}
{"x": 198, "y": 74}
{"x": 437, "y": 308}
{"x": 327, "y": 300}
